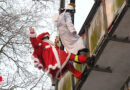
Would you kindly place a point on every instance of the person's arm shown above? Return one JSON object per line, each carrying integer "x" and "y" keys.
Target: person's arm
{"x": 33, "y": 39}
{"x": 69, "y": 23}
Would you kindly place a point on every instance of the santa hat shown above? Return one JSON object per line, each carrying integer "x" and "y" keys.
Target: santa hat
{"x": 42, "y": 35}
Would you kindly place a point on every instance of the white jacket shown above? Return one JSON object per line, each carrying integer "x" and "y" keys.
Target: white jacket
{"x": 72, "y": 43}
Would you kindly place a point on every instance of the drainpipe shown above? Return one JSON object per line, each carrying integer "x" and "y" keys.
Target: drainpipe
{"x": 62, "y": 5}
{"x": 73, "y": 81}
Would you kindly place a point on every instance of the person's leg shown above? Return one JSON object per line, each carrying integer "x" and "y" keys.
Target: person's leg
{"x": 75, "y": 72}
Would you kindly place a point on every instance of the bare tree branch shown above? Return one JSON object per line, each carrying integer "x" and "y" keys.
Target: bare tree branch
{"x": 15, "y": 46}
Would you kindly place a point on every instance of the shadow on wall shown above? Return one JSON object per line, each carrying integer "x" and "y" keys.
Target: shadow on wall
{"x": 66, "y": 82}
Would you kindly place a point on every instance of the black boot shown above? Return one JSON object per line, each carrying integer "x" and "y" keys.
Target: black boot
{"x": 52, "y": 87}
{"x": 83, "y": 50}
{"x": 53, "y": 84}
{"x": 90, "y": 61}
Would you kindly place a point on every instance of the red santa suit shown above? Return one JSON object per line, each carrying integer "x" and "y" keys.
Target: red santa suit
{"x": 1, "y": 78}
{"x": 51, "y": 59}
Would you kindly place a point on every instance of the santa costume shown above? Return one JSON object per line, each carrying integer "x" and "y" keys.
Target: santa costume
{"x": 52, "y": 59}
{"x": 1, "y": 78}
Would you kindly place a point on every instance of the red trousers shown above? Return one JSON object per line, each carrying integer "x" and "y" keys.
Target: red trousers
{"x": 71, "y": 68}
{"x": 81, "y": 59}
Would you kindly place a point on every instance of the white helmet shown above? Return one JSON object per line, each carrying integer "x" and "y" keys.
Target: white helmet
{"x": 69, "y": 7}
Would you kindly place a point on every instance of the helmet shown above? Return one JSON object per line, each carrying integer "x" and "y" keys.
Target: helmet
{"x": 69, "y": 7}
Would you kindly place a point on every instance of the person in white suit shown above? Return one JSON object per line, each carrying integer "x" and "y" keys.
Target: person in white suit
{"x": 68, "y": 35}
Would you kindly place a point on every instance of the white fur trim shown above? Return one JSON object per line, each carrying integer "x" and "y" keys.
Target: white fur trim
{"x": 46, "y": 35}
{"x": 35, "y": 59}
{"x": 37, "y": 62}
{"x": 32, "y": 35}
{"x": 39, "y": 44}
{"x": 52, "y": 67}
{"x": 36, "y": 65}
{"x": 50, "y": 42}
{"x": 67, "y": 59}
{"x": 56, "y": 56}
{"x": 47, "y": 46}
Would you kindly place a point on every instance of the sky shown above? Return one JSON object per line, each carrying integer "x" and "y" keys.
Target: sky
{"x": 83, "y": 8}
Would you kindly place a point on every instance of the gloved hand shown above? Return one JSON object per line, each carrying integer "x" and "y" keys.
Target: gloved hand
{"x": 86, "y": 50}
{"x": 90, "y": 61}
